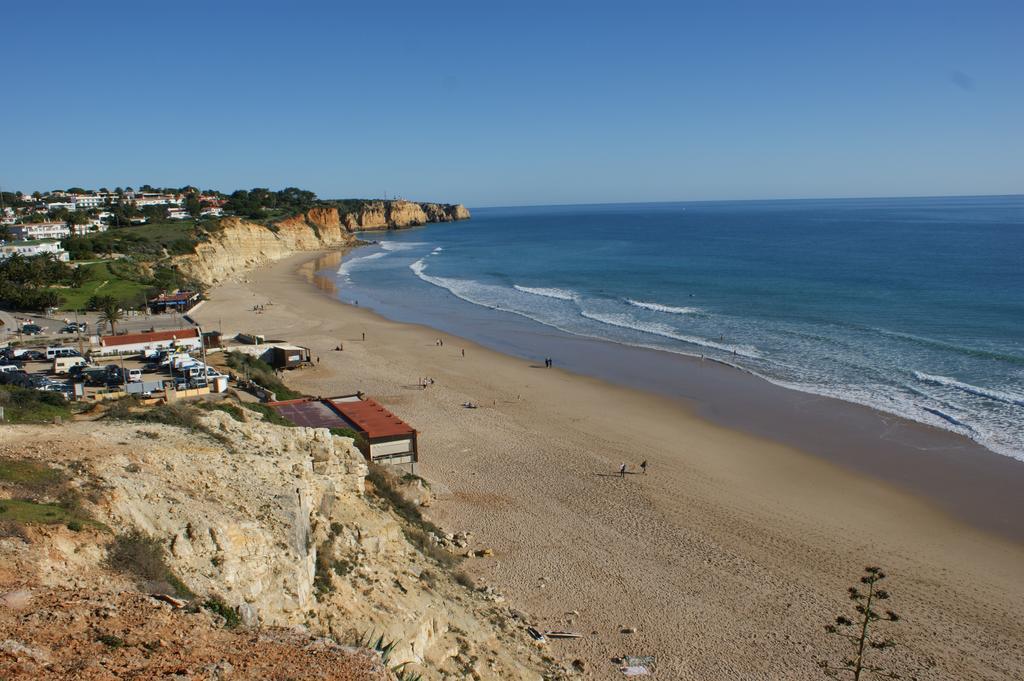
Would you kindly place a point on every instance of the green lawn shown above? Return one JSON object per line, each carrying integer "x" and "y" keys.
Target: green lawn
{"x": 102, "y": 282}
{"x": 22, "y": 511}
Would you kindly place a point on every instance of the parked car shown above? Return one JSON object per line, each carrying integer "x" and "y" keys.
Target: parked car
{"x": 34, "y": 356}
{"x": 31, "y": 329}
{"x": 10, "y": 368}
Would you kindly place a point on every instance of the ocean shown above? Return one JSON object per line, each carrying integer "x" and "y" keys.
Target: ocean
{"x": 913, "y": 306}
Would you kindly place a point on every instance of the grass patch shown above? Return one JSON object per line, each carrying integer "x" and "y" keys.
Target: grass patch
{"x": 231, "y": 410}
{"x": 33, "y": 513}
{"x": 31, "y": 476}
{"x": 259, "y": 371}
{"x": 143, "y": 556}
{"x": 269, "y": 415}
{"x": 104, "y": 279}
{"x": 24, "y": 405}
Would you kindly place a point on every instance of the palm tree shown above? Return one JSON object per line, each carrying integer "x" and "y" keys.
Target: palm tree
{"x": 111, "y": 314}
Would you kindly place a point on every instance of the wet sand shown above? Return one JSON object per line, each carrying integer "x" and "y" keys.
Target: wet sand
{"x": 737, "y": 546}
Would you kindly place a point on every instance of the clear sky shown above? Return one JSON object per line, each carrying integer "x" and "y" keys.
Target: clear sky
{"x": 518, "y": 103}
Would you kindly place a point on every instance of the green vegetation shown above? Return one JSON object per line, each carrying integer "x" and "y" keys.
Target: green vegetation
{"x": 269, "y": 415}
{"x": 24, "y": 405}
{"x": 178, "y": 415}
{"x": 143, "y": 556}
{"x": 216, "y": 604}
{"x": 23, "y": 281}
{"x": 31, "y": 485}
{"x": 230, "y": 409}
{"x": 417, "y": 529}
{"x": 385, "y": 650}
{"x": 99, "y": 280}
{"x": 146, "y": 242}
{"x": 262, "y": 204}
{"x": 262, "y": 373}
{"x": 857, "y": 631}
{"x": 29, "y": 475}
{"x": 111, "y": 641}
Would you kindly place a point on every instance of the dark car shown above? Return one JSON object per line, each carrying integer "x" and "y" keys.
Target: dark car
{"x": 34, "y": 356}
{"x": 31, "y": 329}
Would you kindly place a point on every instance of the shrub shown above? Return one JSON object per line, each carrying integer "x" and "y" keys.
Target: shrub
{"x": 111, "y": 641}
{"x": 24, "y": 405}
{"x": 143, "y": 556}
{"x": 268, "y": 413}
{"x": 217, "y": 605}
{"x": 262, "y": 373}
{"x": 229, "y": 409}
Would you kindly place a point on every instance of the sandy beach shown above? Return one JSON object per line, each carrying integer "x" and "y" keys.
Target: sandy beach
{"x": 727, "y": 558}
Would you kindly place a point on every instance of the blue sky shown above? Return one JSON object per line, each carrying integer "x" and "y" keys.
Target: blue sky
{"x": 523, "y": 103}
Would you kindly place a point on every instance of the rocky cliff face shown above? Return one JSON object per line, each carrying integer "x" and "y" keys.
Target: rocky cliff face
{"x": 275, "y": 522}
{"x": 237, "y": 244}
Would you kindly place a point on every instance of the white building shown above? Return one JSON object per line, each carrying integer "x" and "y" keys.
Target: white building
{"x": 140, "y": 200}
{"x": 87, "y": 201}
{"x": 189, "y": 340}
{"x": 40, "y": 230}
{"x": 213, "y": 211}
{"x": 177, "y": 214}
{"x": 30, "y": 249}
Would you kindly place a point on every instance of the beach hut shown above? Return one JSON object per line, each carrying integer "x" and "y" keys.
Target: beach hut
{"x": 383, "y": 437}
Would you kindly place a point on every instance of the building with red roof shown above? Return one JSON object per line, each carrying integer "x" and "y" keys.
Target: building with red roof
{"x": 134, "y": 343}
{"x": 383, "y": 437}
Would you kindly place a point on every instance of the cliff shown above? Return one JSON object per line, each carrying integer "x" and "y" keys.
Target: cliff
{"x": 273, "y": 522}
{"x": 237, "y": 244}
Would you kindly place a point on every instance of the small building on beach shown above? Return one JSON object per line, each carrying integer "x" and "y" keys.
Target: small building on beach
{"x": 188, "y": 340}
{"x": 179, "y": 301}
{"x": 382, "y": 437}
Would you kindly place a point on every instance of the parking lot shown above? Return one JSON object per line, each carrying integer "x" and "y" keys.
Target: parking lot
{"x": 43, "y": 353}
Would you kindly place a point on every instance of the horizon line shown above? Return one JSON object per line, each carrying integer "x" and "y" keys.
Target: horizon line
{"x": 759, "y": 200}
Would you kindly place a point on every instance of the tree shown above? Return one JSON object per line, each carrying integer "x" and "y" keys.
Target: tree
{"x": 111, "y": 314}
{"x": 857, "y": 631}
{"x": 78, "y": 277}
{"x": 193, "y": 205}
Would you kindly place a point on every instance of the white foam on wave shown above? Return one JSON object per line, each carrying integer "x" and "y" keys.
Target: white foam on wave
{"x": 402, "y": 245}
{"x": 557, "y": 293}
{"x": 437, "y": 250}
{"x": 346, "y": 266}
{"x": 626, "y": 321}
{"x": 658, "y": 307}
{"x": 988, "y": 393}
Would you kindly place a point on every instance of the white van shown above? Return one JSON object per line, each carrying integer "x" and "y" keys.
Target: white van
{"x": 8, "y": 368}
{"x": 62, "y": 365}
{"x": 134, "y": 375}
{"x": 60, "y": 351}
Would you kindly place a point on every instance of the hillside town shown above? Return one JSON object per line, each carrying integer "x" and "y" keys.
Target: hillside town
{"x": 35, "y": 224}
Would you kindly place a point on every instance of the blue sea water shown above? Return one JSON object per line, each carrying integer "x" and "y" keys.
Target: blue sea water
{"x": 911, "y": 306}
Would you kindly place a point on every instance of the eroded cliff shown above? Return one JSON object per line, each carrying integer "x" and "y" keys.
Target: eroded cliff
{"x": 275, "y": 523}
{"x": 237, "y": 244}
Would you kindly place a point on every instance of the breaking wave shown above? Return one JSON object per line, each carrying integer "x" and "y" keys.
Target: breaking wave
{"x": 558, "y": 293}
{"x": 627, "y": 322}
{"x": 988, "y": 393}
{"x": 658, "y": 307}
{"x": 346, "y": 267}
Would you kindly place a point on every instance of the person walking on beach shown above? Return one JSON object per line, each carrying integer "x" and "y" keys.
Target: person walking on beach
{"x": 622, "y": 471}
{"x": 318, "y": 360}
{"x": 463, "y": 352}
{"x": 643, "y": 467}
{"x": 364, "y": 335}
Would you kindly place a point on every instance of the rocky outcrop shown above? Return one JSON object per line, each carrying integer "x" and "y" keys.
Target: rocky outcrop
{"x": 237, "y": 244}
{"x": 276, "y": 523}
{"x": 401, "y": 214}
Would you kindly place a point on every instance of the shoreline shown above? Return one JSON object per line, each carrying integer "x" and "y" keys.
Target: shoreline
{"x": 696, "y": 555}
{"x": 956, "y": 474}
